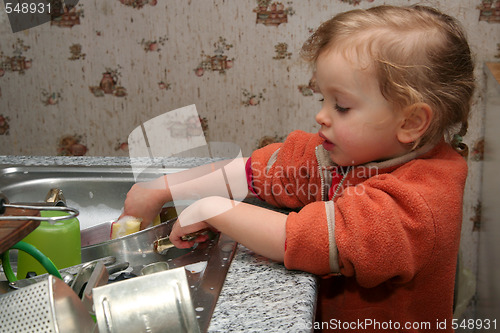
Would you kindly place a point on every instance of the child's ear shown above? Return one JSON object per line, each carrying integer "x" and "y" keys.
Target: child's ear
{"x": 416, "y": 120}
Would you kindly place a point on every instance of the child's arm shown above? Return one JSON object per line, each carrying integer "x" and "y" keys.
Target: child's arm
{"x": 223, "y": 178}
{"x": 261, "y": 230}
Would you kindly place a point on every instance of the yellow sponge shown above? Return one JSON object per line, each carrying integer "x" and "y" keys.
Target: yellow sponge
{"x": 156, "y": 220}
{"x": 125, "y": 226}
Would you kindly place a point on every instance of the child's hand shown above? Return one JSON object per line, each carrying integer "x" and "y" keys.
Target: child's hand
{"x": 178, "y": 232}
{"x": 144, "y": 200}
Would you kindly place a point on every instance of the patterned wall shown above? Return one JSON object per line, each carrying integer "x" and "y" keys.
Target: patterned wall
{"x": 81, "y": 83}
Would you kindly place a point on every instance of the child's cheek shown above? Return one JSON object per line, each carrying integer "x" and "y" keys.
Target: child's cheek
{"x": 345, "y": 137}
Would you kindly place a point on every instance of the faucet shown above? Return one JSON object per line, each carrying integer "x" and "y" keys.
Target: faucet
{"x": 56, "y": 197}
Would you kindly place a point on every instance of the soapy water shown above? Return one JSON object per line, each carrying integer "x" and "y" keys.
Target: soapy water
{"x": 94, "y": 215}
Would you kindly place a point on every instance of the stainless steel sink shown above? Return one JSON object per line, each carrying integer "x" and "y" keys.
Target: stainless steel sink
{"x": 98, "y": 193}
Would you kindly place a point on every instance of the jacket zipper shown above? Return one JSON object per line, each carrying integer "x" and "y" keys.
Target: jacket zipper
{"x": 321, "y": 169}
{"x": 321, "y": 173}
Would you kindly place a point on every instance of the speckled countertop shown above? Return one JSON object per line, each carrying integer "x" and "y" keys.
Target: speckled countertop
{"x": 258, "y": 295}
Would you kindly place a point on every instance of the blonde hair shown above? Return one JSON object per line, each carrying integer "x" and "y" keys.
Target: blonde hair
{"x": 418, "y": 53}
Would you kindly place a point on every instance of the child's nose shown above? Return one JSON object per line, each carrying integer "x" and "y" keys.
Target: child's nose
{"x": 322, "y": 117}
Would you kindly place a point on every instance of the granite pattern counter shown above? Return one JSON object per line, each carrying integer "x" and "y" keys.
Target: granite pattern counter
{"x": 262, "y": 296}
{"x": 258, "y": 295}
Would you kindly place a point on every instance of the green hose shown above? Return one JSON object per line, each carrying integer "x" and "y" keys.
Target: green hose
{"x": 35, "y": 253}
{"x": 11, "y": 277}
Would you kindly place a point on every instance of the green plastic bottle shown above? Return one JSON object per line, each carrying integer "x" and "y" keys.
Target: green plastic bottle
{"x": 60, "y": 242}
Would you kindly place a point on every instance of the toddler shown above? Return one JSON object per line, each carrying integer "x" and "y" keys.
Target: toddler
{"x": 379, "y": 187}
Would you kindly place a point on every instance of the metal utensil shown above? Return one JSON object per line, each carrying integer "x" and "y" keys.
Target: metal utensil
{"x": 134, "y": 248}
{"x": 69, "y": 274}
{"x": 159, "y": 302}
{"x": 84, "y": 275}
{"x": 155, "y": 267}
{"x": 4, "y": 203}
{"x": 47, "y": 306}
{"x": 99, "y": 277}
{"x": 162, "y": 245}
{"x": 101, "y": 232}
{"x": 96, "y": 234}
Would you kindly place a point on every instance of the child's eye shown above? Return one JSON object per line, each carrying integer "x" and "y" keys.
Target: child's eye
{"x": 321, "y": 99}
{"x": 341, "y": 109}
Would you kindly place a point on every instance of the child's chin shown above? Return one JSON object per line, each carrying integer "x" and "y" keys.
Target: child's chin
{"x": 335, "y": 159}
{"x": 340, "y": 161}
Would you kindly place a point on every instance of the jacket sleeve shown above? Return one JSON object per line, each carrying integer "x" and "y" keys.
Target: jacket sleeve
{"x": 310, "y": 239}
{"x": 384, "y": 230}
{"x": 287, "y": 174}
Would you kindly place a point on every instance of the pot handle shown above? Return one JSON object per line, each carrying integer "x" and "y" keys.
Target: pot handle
{"x": 4, "y": 203}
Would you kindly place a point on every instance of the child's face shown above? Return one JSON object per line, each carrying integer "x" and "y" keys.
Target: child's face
{"x": 358, "y": 124}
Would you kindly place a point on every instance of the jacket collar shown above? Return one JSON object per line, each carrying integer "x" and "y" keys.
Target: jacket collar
{"x": 400, "y": 160}
{"x": 371, "y": 168}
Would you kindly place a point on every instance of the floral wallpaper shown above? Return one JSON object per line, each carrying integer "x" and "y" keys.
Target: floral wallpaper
{"x": 80, "y": 83}
{"x": 99, "y": 69}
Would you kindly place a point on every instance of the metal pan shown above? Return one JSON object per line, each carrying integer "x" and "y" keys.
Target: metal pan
{"x": 159, "y": 302}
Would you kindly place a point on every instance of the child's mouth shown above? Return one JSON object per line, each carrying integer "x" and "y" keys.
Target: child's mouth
{"x": 327, "y": 144}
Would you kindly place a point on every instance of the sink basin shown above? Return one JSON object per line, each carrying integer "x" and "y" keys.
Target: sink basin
{"x": 98, "y": 193}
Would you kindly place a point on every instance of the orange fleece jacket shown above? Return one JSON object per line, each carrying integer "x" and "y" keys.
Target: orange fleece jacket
{"x": 386, "y": 246}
